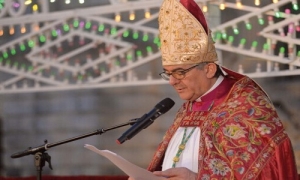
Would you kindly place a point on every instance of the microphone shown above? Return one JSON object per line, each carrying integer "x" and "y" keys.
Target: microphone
{"x": 147, "y": 119}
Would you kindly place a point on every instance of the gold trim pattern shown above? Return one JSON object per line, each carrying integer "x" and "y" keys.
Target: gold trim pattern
{"x": 183, "y": 38}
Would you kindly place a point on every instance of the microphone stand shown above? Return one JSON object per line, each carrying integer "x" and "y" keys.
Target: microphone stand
{"x": 41, "y": 157}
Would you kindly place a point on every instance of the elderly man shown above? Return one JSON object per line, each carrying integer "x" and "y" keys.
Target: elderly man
{"x": 228, "y": 127}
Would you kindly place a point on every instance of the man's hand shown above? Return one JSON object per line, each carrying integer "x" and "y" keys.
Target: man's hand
{"x": 179, "y": 173}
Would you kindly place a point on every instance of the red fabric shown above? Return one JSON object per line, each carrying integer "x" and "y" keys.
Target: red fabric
{"x": 241, "y": 138}
{"x": 195, "y": 10}
{"x": 68, "y": 178}
{"x": 281, "y": 165}
{"x": 215, "y": 97}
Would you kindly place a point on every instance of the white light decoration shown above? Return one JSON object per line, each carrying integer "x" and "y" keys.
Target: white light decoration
{"x": 222, "y": 5}
{"x": 257, "y": 2}
{"x": 27, "y": 2}
{"x": 117, "y": 17}
{"x": 239, "y": 4}
{"x": 60, "y": 68}
{"x": 132, "y": 16}
{"x": 205, "y": 8}
{"x": 67, "y": 1}
{"x": 147, "y": 14}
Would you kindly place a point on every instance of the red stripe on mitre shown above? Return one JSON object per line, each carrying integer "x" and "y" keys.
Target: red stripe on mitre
{"x": 195, "y": 10}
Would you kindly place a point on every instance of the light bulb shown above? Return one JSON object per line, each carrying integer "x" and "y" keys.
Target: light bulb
{"x": 35, "y": 8}
{"x": 239, "y": 4}
{"x": 147, "y": 14}
{"x": 222, "y": 6}
{"x": 118, "y": 17}
{"x": 11, "y": 30}
{"x": 204, "y": 8}
{"x": 132, "y": 16}
{"x": 23, "y": 29}
{"x": 257, "y": 2}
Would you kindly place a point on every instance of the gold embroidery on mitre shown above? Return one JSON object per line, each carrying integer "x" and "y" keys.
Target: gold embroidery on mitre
{"x": 183, "y": 38}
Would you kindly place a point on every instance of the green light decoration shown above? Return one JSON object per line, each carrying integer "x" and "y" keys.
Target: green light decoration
{"x": 158, "y": 44}
{"x": 22, "y": 47}
{"x": 156, "y": 40}
{"x": 129, "y": 57}
{"x": 279, "y": 14}
{"x": 66, "y": 27}
{"x": 1, "y": 60}
{"x": 266, "y": 46}
{"x": 101, "y": 28}
{"x": 88, "y": 25}
{"x": 218, "y": 36}
{"x": 5, "y": 55}
{"x": 298, "y": 53}
{"x": 13, "y": 51}
{"x": 30, "y": 68}
{"x": 224, "y": 35}
{"x": 125, "y": 34}
{"x": 80, "y": 77}
{"x": 31, "y": 43}
{"x": 236, "y": 31}
{"x": 54, "y": 33}
{"x": 248, "y": 26}
{"x": 230, "y": 39}
{"x": 282, "y": 50}
{"x": 145, "y": 38}
{"x": 113, "y": 31}
{"x": 254, "y": 44}
{"x": 149, "y": 49}
{"x": 295, "y": 6}
{"x": 261, "y": 21}
{"x": 139, "y": 53}
{"x": 243, "y": 41}
{"x": 135, "y": 35}
{"x": 2, "y": 4}
{"x": 75, "y": 23}
{"x": 42, "y": 38}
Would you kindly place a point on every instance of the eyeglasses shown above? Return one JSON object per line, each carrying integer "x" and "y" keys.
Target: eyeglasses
{"x": 177, "y": 74}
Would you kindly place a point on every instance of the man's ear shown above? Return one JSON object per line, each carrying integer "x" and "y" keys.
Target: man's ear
{"x": 210, "y": 69}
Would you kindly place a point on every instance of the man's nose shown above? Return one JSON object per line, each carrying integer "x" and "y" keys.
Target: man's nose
{"x": 173, "y": 80}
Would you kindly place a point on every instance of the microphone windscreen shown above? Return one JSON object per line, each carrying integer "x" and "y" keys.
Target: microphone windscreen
{"x": 165, "y": 105}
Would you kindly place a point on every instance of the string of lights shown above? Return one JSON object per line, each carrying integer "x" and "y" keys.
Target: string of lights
{"x": 104, "y": 46}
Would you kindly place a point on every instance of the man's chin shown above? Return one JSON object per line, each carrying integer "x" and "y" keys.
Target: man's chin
{"x": 184, "y": 97}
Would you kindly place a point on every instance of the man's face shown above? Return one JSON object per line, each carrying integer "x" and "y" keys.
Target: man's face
{"x": 195, "y": 83}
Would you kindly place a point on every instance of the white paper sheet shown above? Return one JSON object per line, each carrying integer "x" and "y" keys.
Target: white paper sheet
{"x": 126, "y": 166}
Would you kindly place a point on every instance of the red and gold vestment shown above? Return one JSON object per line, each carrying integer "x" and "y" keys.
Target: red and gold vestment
{"x": 242, "y": 136}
